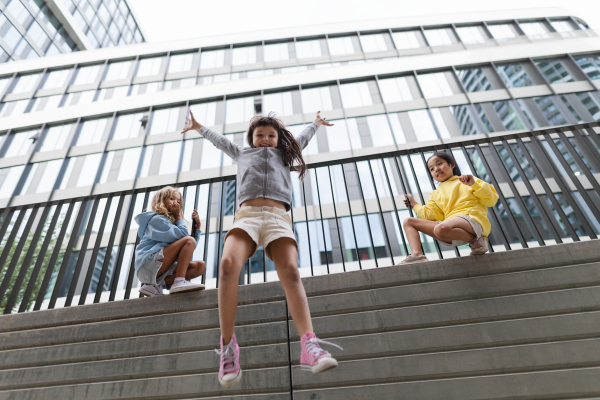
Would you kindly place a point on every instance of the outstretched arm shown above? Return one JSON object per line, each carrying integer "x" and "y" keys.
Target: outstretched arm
{"x": 220, "y": 141}
{"x": 307, "y": 134}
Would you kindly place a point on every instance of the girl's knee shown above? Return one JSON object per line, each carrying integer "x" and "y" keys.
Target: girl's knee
{"x": 190, "y": 241}
{"x": 198, "y": 268}
{"x": 409, "y": 221}
{"x": 227, "y": 267}
{"x": 441, "y": 231}
{"x": 289, "y": 272}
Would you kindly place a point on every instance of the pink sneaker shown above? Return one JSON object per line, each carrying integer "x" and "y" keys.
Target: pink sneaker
{"x": 314, "y": 358}
{"x": 230, "y": 372}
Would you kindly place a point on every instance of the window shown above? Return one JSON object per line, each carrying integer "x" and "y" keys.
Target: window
{"x": 212, "y": 59}
{"x": 406, "y": 40}
{"x": 87, "y": 74}
{"x": 57, "y": 79}
{"x": 18, "y": 11}
{"x": 51, "y": 170}
{"x": 438, "y": 37}
{"x": 169, "y": 160}
{"x": 239, "y": 110}
{"x": 276, "y": 52}
{"x": 149, "y": 66}
{"x": 465, "y": 118}
{"x": 514, "y": 75}
{"x": 164, "y": 121}
{"x": 316, "y": 99}
{"x": 550, "y": 110}
{"x": 372, "y": 43}
{"x": 118, "y": 70}
{"x": 356, "y": 94}
{"x": 340, "y": 46}
{"x": 91, "y": 132}
{"x": 205, "y": 113}
{"x": 395, "y": 90}
{"x": 11, "y": 178}
{"x": 211, "y": 156}
{"x": 509, "y": 115}
{"x": 474, "y": 80}
{"x": 181, "y": 62}
{"x": 562, "y": 26}
{"x": 590, "y": 65}
{"x": 397, "y": 128}
{"x": 87, "y": 173}
{"x": 20, "y": 144}
{"x": 554, "y": 71}
{"x": 13, "y": 108}
{"x": 440, "y": 123}
{"x": 243, "y": 55}
{"x": 129, "y": 164}
{"x": 39, "y": 36}
{"x": 381, "y": 133}
{"x": 591, "y": 101}
{"x": 434, "y": 85}
{"x": 471, "y": 34}
{"x": 26, "y": 83}
{"x": 422, "y": 126}
{"x": 533, "y": 28}
{"x": 3, "y": 83}
{"x": 343, "y": 135}
{"x": 128, "y": 126}
{"x": 281, "y": 103}
{"x": 503, "y": 31}
{"x": 308, "y": 49}
{"x": 56, "y": 137}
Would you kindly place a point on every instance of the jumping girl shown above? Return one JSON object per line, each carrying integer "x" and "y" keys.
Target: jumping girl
{"x": 164, "y": 254}
{"x": 456, "y": 213}
{"x": 264, "y": 185}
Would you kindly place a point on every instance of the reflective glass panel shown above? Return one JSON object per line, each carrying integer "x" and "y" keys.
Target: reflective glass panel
{"x": 281, "y": 103}
{"x": 474, "y": 80}
{"x": 590, "y": 65}
{"x": 308, "y": 49}
{"x": 434, "y": 85}
{"x": 514, "y": 75}
{"x": 276, "y": 52}
{"x": 372, "y": 43}
{"x": 316, "y": 99}
{"x": 395, "y": 90}
{"x": 340, "y": 46}
{"x": 554, "y": 71}
{"x": 356, "y": 94}
{"x": 406, "y": 40}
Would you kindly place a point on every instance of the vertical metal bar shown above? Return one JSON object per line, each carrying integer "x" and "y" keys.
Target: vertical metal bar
{"x": 249, "y": 271}
{"x": 572, "y": 176}
{"x": 111, "y": 242}
{"x": 351, "y": 217}
{"x": 312, "y": 272}
{"x": 92, "y": 266}
{"x": 27, "y": 261}
{"x": 122, "y": 245}
{"x": 578, "y": 160}
{"x": 132, "y": 263}
{"x": 337, "y": 223}
{"x": 264, "y": 266}
{"x": 387, "y": 237}
{"x": 387, "y": 178}
{"x": 585, "y": 147}
{"x": 207, "y": 231}
{"x": 592, "y": 135}
{"x": 11, "y": 238}
{"x": 322, "y": 224}
{"x": 220, "y": 225}
{"x": 17, "y": 253}
{"x": 503, "y": 200}
{"x": 404, "y": 188}
{"x": 536, "y": 201}
{"x": 565, "y": 189}
{"x": 54, "y": 257}
{"x": 414, "y": 174}
{"x": 82, "y": 252}
{"x": 67, "y": 257}
{"x": 548, "y": 191}
{"x": 6, "y": 222}
{"x": 495, "y": 216}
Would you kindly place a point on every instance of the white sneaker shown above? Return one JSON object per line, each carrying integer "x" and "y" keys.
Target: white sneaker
{"x": 151, "y": 290}
{"x": 185, "y": 286}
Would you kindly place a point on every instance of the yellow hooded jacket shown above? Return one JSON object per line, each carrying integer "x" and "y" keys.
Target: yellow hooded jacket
{"x": 453, "y": 198}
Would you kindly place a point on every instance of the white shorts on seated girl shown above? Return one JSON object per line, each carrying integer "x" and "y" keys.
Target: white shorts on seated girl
{"x": 477, "y": 228}
{"x": 263, "y": 225}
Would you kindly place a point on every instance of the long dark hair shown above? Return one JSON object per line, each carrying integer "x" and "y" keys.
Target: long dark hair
{"x": 449, "y": 159}
{"x": 291, "y": 151}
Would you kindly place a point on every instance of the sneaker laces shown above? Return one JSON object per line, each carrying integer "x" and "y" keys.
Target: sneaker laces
{"x": 314, "y": 350}
{"x": 227, "y": 358}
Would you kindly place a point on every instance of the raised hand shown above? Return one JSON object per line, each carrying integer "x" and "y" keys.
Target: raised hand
{"x": 409, "y": 202}
{"x": 196, "y": 218}
{"x": 191, "y": 124}
{"x": 321, "y": 121}
{"x": 467, "y": 180}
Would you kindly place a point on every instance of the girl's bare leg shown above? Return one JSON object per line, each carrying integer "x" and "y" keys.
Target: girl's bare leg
{"x": 284, "y": 254}
{"x": 180, "y": 251}
{"x": 453, "y": 229}
{"x": 196, "y": 269}
{"x": 412, "y": 227}
{"x": 235, "y": 252}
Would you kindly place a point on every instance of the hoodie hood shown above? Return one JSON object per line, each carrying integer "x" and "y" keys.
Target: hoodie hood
{"x": 142, "y": 220}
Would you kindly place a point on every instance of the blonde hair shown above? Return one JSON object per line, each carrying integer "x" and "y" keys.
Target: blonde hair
{"x": 158, "y": 202}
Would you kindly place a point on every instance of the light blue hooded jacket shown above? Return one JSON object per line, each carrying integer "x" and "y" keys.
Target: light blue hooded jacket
{"x": 156, "y": 232}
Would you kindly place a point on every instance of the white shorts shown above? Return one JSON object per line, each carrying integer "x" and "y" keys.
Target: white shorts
{"x": 477, "y": 228}
{"x": 263, "y": 225}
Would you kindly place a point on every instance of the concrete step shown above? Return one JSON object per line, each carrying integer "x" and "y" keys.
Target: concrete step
{"x": 561, "y": 384}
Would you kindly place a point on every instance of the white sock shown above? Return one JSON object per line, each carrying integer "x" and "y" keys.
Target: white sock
{"x": 177, "y": 280}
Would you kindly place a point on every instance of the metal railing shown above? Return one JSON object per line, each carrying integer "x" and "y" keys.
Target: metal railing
{"x": 347, "y": 215}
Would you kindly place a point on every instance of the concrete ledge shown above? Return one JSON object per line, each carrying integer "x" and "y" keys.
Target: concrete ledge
{"x": 510, "y": 261}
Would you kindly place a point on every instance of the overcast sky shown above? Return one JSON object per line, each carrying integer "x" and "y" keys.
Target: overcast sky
{"x": 184, "y": 19}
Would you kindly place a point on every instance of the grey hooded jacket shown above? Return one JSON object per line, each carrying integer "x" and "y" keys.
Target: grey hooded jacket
{"x": 261, "y": 171}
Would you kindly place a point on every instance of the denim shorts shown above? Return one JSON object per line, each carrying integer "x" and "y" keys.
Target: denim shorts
{"x": 147, "y": 272}
{"x": 263, "y": 225}
{"x": 477, "y": 228}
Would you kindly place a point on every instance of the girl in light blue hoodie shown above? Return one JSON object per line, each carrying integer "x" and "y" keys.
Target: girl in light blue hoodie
{"x": 164, "y": 254}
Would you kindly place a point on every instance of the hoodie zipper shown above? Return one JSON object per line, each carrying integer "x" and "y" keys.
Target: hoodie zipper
{"x": 266, "y": 173}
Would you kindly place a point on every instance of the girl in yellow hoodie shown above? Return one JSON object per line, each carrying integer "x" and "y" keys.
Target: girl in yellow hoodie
{"x": 456, "y": 213}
